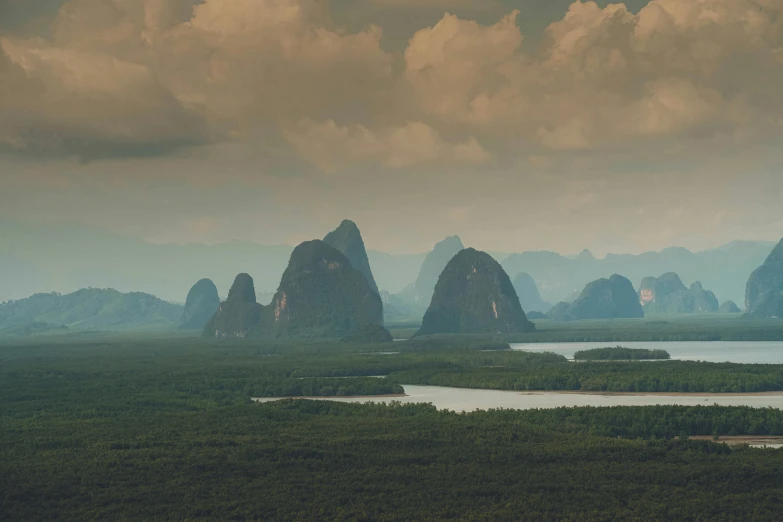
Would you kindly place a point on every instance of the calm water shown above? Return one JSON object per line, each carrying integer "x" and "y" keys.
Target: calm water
{"x": 461, "y": 399}
{"x": 765, "y": 352}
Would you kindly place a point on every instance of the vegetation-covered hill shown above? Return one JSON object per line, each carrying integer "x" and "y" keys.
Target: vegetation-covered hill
{"x": 348, "y": 239}
{"x": 92, "y": 309}
{"x": 474, "y": 295}
{"x": 764, "y": 290}
{"x": 239, "y": 314}
{"x": 668, "y": 295}
{"x": 321, "y": 295}
{"x": 613, "y": 298}
{"x": 200, "y": 305}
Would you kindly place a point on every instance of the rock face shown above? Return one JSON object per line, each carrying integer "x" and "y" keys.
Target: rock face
{"x": 201, "y": 304}
{"x": 432, "y": 268}
{"x": 474, "y": 295}
{"x": 729, "y": 307}
{"x": 348, "y": 239}
{"x": 321, "y": 295}
{"x": 613, "y": 298}
{"x": 667, "y": 294}
{"x": 239, "y": 314}
{"x": 529, "y": 296}
{"x": 764, "y": 290}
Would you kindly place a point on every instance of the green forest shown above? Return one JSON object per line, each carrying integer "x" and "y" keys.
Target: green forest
{"x": 102, "y": 428}
{"x": 620, "y": 353}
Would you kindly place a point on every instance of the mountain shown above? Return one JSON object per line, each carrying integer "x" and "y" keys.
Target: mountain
{"x": 613, "y": 298}
{"x": 348, "y": 239}
{"x": 667, "y": 294}
{"x": 200, "y": 305}
{"x": 729, "y": 307}
{"x": 321, "y": 295}
{"x": 394, "y": 272}
{"x": 239, "y": 314}
{"x": 92, "y": 309}
{"x": 764, "y": 289}
{"x": 474, "y": 295}
{"x": 528, "y": 294}
{"x": 432, "y": 268}
{"x": 723, "y": 270}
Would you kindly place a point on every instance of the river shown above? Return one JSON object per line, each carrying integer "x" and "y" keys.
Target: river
{"x": 761, "y": 352}
{"x": 464, "y": 400}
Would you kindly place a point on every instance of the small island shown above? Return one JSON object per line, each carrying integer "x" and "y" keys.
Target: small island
{"x": 620, "y": 353}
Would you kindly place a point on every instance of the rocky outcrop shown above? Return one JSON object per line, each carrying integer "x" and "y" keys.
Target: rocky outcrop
{"x": 321, "y": 295}
{"x": 200, "y": 305}
{"x": 529, "y": 296}
{"x": 432, "y": 268}
{"x": 239, "y": 314}
{"x": 348, "y": 239}
{"x": 764, "y": 290}
{"x": 729, "y": 307}
{"x": 667, "y": 294}
{"x": 474, "y": 295}
{"x": 613, "y": 298}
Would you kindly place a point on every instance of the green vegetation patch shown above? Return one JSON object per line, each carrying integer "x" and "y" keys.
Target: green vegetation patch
{"x": 620, "y": 353}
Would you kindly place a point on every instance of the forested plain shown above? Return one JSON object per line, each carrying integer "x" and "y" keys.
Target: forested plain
{"x": 98, "y": 427}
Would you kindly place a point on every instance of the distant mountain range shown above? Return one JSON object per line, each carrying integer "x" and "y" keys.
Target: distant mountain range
{"x": 88, "y": 309}
{"x": 65, "y": 259}
{"x": 724, "y": 270}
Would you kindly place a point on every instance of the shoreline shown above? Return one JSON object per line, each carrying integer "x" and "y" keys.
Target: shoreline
{"x": 329, "y": 397}
{"x": 670, "y": 394}
{"x": 735, "y": 440}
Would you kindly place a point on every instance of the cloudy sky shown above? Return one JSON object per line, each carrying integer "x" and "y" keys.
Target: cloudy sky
{"x": 517, "y": 124}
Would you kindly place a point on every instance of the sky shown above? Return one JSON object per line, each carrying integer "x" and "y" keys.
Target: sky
{"x": 519, "y": 125}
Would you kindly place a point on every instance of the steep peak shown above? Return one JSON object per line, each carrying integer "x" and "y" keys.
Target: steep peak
{"x": 243, "y": 290}
{"x": 451, "y": 243}
{"x": 348, "y": 239}
{"x": 697, "y": 287}
{"x": 585, "y": 255}
{"x": 474, "y": 295}
{"x": 777, "y": 253}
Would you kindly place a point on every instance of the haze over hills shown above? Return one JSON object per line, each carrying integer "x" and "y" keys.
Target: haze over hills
{"x": 91, "y": 309}
{"x": 65, "y": 259}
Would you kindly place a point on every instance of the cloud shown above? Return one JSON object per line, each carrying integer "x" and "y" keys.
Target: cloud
{"x": 605, "y": 75}
{"x": 130, "y": 77}
{"x": 331, "y": 146}
{"x": 57, "y": 100}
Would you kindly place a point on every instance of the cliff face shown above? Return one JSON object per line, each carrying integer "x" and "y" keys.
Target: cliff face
{"x": 432, "y": 268}
{"x": 613, "y": 298}
{"x": 667, "y": 294}
{"x": 201, "y": 304}
{"x": 321, "y": 295}
{"x": 348, "y": 239}
{"x": 764, "y": 290}
{"x": 239, "y": 314}
{"x": 474, "y": 295}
